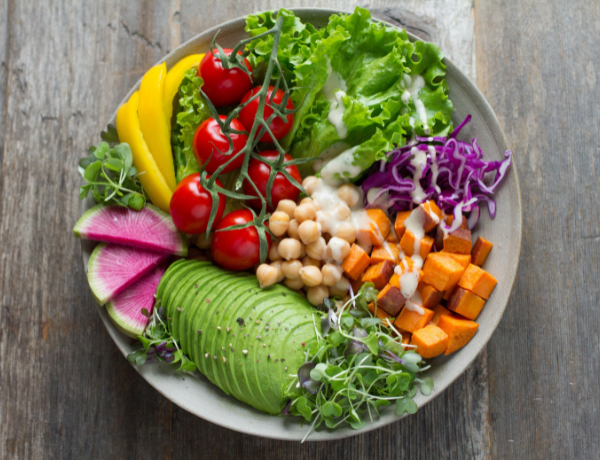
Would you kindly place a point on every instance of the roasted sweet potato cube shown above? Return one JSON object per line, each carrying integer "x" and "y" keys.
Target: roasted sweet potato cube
{"x": 399, "y": 224}
{"x": 460, "y": 331}
{"x": 378, "y": 228}
{"x": 480, "y": 251}
{"x": 356, "y": 262}
{"x": 449, "y": 293}
{"x": 459, "y": 241}
{"x": 430, "y": 296}
{"x": 407, "y": 265}
{"x": 390, "y": 299}
{"x": 389, "y": 251}
{"x": 438, "y": 311}
{"x": 432, "y": 215}
{"x": 439, "y": 234}
{"x": 411, "y": 321}
{"x": 356, "y": 284}
{"x": 442, "y": 271}
{"x": 379, "y": 274}
{"x": 381, "y": 314}
{"x": 407, "y": 245}
{"x": 463, "y": 259}
{"x": 392, "y": 238}
{"x": 465, "y": 303}
{"x": 478, "y": 281}
{"x": 431, "y": 341}
{"x": 406, "y": 336}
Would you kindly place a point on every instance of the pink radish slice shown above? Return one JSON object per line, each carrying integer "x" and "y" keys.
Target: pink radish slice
{"x": 112, "y": 268}
{"x": 149, "y": 228}
{"x": 125, "y": 310}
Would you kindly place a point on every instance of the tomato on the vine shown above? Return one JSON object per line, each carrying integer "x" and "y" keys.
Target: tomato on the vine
{"x": 237, "y": 249}
{"x": 278, "y": 127}
{"x": 191, "y": 204}
{"x": 223, "y": 86}
{"x": 209, "y": 135}
{"x": 282, "y": 188}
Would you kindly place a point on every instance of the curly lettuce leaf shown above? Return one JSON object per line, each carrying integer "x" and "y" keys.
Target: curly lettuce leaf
{"x": 190, "y": 113}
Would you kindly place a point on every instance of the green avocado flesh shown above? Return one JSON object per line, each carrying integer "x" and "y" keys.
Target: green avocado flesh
{"x": 254, "y": 359}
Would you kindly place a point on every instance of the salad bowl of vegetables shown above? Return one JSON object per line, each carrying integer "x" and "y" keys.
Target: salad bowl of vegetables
{"x": 298, "y": 208}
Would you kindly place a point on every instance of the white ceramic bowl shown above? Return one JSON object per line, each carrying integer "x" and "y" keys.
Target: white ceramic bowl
{"x": 205, "y": 400}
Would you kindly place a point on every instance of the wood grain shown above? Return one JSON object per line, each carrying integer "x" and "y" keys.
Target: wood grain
{"x": 66, "y": 390}
{"x": 538, "y": 65}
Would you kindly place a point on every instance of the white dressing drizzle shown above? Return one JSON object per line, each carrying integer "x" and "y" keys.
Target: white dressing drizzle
{"x": 434, "y": 167}
{"x": 334, "y": 90}
{"x": 418, "y": 161}
{"x": 342, "y": 166}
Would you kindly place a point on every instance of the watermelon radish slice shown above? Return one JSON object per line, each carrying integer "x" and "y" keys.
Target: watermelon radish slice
{"x": 112, "y": 268}
{"x": 125, "y": 310}
{"x": 149, "y": 228}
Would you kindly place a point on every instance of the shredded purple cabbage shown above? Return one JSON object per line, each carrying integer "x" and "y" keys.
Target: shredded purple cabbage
{"x": 458, "y": 187}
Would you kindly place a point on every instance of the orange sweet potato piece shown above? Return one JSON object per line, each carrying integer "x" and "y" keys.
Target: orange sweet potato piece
{"x": 431, "y": 341}
{"x": 399, "y": 224}
{"x": 442, "y": 271}
{"x": 450, "y": 218}
{"x": 460, "y": 331}
{"x": 406, "y": 336}
{"x": 433, "y": 215}
{"x": 379, "y": 227}
{"x": 480, "y": 251}
{"x": 478, "y": 281}
{"x": 430, "y": 296}
{"x": 390, "y": 299}
{"x": 406, "y": 265}
{"x": 463, "y": 259}
{"x": 438, "y": 312}
{"x": 412, "y": 321}
{"x": 449, "y": 293}
{"x": 381, "y": 253}
{"x": 465, "y": 303}
{"x": 407, "y": 244}
{"x": 439, "y": 235}
{"x": 381, "y": 314}
{"x": 379, "y": 274}
{"x": 392, "y": 238}
{"x": 356, "y": 262}
{"x": 356, "y": 284}
{"x": 459, "y": 241}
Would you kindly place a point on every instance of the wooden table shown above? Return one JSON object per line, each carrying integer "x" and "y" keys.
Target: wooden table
{"x": 65, "y": 390}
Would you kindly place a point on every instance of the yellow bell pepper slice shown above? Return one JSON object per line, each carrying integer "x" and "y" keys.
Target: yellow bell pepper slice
{"x": 128, "y": 128}
{"x": 174, "y": 79}
{"x": 153, "y": 122}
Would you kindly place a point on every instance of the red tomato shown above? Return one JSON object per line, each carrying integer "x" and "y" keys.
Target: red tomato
{"x": 237, "y": 249}
{"x": 282, "y": 188}
{"x": 278, "y": 127}
{"x": 209, "y": 135}
{"x": 191, "y": 204}
{"x": 223, "y": 87}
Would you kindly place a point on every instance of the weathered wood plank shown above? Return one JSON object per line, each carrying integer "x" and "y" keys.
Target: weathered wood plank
{"x": 538, "y": 65}
{"x": 67, "y": 391}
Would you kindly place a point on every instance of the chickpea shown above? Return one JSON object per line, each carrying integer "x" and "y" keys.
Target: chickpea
{"x": 310, "y": 184}
{"x": 309, "y": 231}
{"x": 309, "y": 261}
{"x": 340, "y": 288}
{"x": 324, "y": 219}
{"x": 341, "y": 212}
{"x": 291, "y": 269}
{"x": 317, "y": 249}
{"x": 306, "y": 211}
{"x": 287, "y": 206}
{"x": 332, "y": 274}
{"x": 294, "y": 284}
{"x": 306, "y": 200}
{"x": 302, "y": 251}
{"x": 289, "y": 248}
{"x": 267, "y": 275}
{"x": 346, "y": 231}
{"x": 338, "y": 248}
{"x": 274, "y": 252}
{"x": 317, "y": 294}
{"x": 349, "y": 193}
{"x": 311, "y": 276}
{"x": 293, "y": 229}
{"x": 280, "y": 275}
{"x": 279, "y": 223}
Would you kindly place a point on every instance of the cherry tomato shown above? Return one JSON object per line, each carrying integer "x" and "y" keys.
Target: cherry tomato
{"x": 209, "y": 135}
{"x": 282, "y": 188}
{"x": 222, "y": 86}
{"x": 191, "y": 204}
{"x": 237, "y": 249}
{"x": 278, "y": 127}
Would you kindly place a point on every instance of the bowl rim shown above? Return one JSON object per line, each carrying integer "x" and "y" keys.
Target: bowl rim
{"x": 420, "y": 400}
